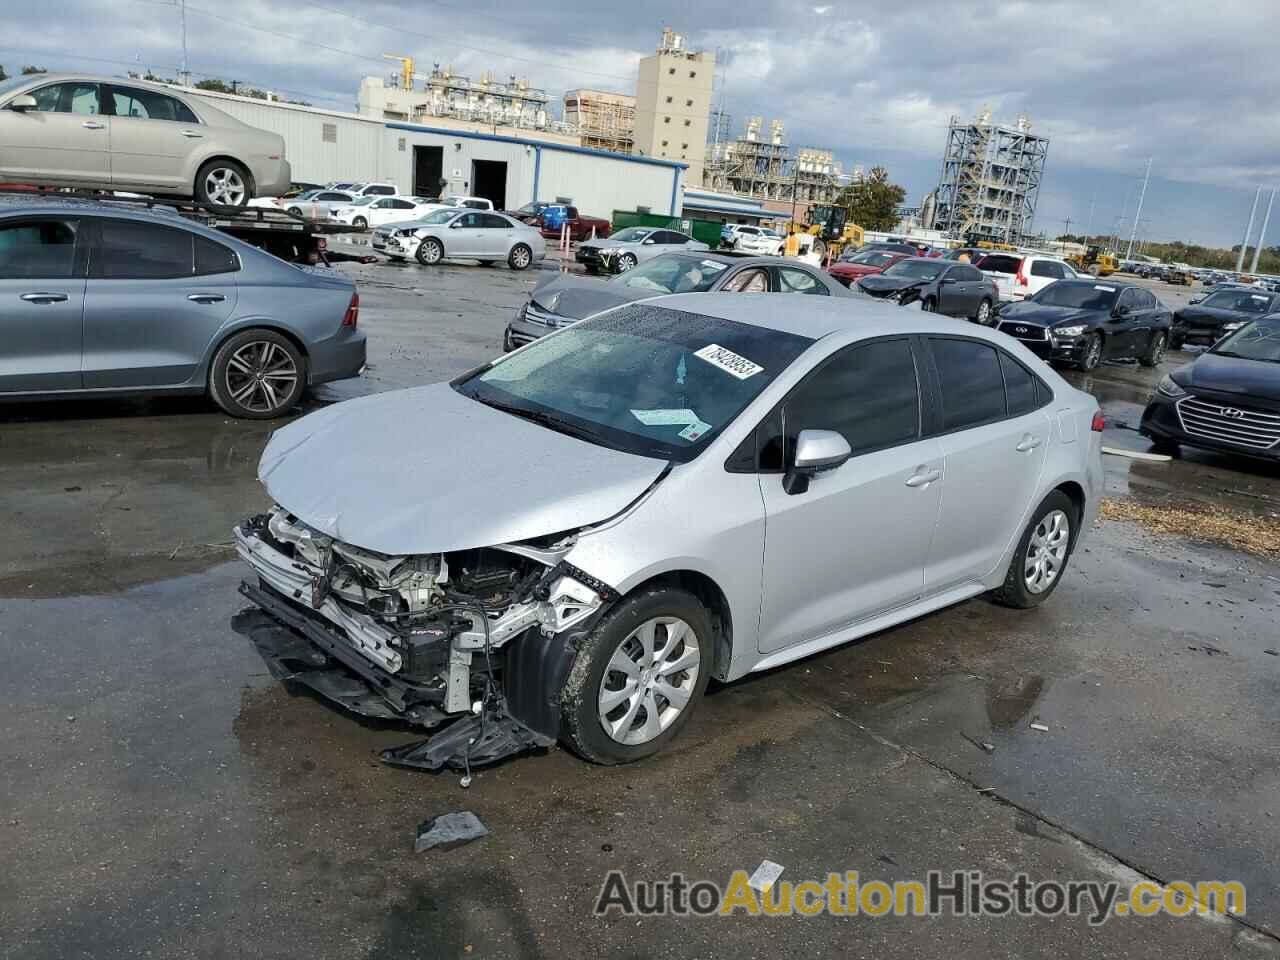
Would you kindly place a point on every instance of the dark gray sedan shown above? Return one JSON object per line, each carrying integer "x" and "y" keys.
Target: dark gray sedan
{"x": 565, "y": 298}
{"x": 941, "y": 286}
{"x": 109, "y": 299}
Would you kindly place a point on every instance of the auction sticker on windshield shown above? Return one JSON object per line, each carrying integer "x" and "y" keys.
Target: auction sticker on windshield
{"x": 728, "y": 361}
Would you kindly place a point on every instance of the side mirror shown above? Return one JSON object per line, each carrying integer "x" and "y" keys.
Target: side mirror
{"x": 22, "y": 103}
{"x": 1194, "y": 301}
{"x": 456, "y": 224}
{"x": 950, "y": 279}
{"x": 648, "y": 240}
{"x": 817, "y": 451}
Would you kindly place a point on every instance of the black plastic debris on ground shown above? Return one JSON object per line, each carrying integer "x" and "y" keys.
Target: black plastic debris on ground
{"x": 449, "y": 830}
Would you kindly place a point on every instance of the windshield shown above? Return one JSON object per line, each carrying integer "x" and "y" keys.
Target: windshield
{"x": 362, "y": 201}
{"x": 1243, "y": 301}
{"x": 873, "y": 258}
{"x": 1077, "y": 296}
{"x": 916, "y": 269}
{"x": 631, "y": 235}
{"x": 307, "y": 195}
{"x": 531, "y": 208}
{"x": 672, "y": 275}
{"x": 1256, "y": 340}
{"x": 13, "y": 83}
{"x": 642, "y": 378}
{"x": 437, "y": 217}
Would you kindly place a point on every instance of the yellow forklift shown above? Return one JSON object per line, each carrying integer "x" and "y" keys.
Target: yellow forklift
{"x": 1095, "y": 261}
{"x": 828, "y": 225}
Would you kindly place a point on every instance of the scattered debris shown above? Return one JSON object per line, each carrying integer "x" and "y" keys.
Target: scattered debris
{"x": 1037, "y": 725}
{"x": 71, "y": 718}
{"x": 71, "y": 489}
{"x": 1218, "y": 586}
{"x": 449, "y": 830}
{"x": 766, "y": 876}
{"x": 1208, "y": 649}
{"x": 175, "y": 550}
{"x": 1137, "y": 454}
{"x": 1273, "y": 653}
{"x": 885, "y": 858}
{"x": 1254, "y": 534}
{"x": 986, "y": 789}
{"x": 984, "y": 745}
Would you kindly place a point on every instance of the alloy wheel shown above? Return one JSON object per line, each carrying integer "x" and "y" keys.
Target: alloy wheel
{"x": 1158, "y": 353}
{"x": 649, "y": 680}
{"x": 261, "y": 376}
{"x": 520, "y": 257}
{"x": 1095, "y": 352}
{"x": 225, "y": 186}
{"x": 984, "y": 313}
{"x": 1046, "y": 551}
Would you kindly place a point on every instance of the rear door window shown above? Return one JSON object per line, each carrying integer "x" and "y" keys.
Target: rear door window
{"x": 1020, "y": 391}
{"x": 791, "y": 280}
{"x": 212, "y": 257}
{"x": 132, "y": 250}
{"x": 1043, "y": 268}
{"x": 38, "y": 250}
{"x": 380, "y": 190}
{"x": 971, "y": 382}
{"x": 149, "y": 105}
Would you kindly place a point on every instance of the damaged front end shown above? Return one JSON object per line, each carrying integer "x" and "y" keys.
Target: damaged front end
{"x": 483, "y": 638}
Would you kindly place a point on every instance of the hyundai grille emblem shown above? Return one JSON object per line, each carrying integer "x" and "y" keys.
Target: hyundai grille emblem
{"x": 1232, "y": 412}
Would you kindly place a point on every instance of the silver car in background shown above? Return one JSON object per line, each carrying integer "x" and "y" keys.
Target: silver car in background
{"x": 461, "y": 233}
{"x": 582, "y": 542}
{"x": 621, "y": 251}
{"x": 319, "y": 204}
{"x": 108, "y": 134}
{"x": 111, "y": 300}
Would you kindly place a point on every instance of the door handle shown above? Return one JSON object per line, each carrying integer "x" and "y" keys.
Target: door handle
{"x": 923, "y": 476}
{"x": 1028, "y": 442}
{"x": 206, "y": 298}
{"x": 44, "y": 297}
{"x": 93, "y": 125}
{"x": 192, "y": 134}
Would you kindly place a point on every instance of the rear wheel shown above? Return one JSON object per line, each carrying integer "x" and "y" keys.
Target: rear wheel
{"x": 223, "y": 182}
{"x": 430, "y": 251}
{"x": 257, "y": 374}
{"x": 637, "y": 677}
{"x": 1041, "y": 555}
{"x": 520, "y": 257}
{"x": 1092, "y": 354}
{"x": 984, "y": 313}
{"x": 1155, "y": 351}
{"x": 295, "y": 211}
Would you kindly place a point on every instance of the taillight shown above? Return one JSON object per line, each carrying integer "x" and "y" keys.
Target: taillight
{"x": 1021, "y": 279}
{"x": 1099, "y": 421}
{"x": 352, "y": 316}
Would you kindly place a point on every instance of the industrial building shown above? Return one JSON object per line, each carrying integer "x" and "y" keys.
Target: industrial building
{"x": 673, "y": 104}
{"x": 432, "y": 158}
{"x": 442, "y": 94}
{"x": 990, "y": 181}
{"x": 765, "y": 168}
{"x": 603, "y": 120}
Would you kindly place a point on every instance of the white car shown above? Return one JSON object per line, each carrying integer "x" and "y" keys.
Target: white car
{"x": 758, "y": 241}
{"x": 1020, "y": 275}
{"x": 450, "y": 202}
{"x": 358, "y": 188}
{"x": 365, "y": 212}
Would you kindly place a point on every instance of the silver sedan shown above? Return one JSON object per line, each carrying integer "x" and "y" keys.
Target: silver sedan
{"x": 579, "y": 542}
{"x": 632, "y": 245}
{"x": 464, "y": 234}
{"x": 105, "y": 133}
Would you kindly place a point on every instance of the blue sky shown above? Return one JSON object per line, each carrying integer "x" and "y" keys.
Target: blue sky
{"x": 1191, "y": 85}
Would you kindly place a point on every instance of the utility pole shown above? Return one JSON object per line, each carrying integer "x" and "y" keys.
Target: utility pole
{"x": 1088, "y": 227}
{"x": 1253, "y": 267}
{"x": 186, "y": 74}
{"x": 1066, "y": 227}
{"x": 1142, "y": 196}
{"x": 1248, "y": 230}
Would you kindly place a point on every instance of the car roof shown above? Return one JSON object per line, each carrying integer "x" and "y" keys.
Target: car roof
{"x": 1105, "y": 281}
{"x": 817, "y": 317}
{"x": 733, "y": 258}
{"x": 99, "y": 78}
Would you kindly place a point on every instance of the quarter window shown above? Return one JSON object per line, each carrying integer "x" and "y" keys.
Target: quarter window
{"x": 43, "y": 250}
{"x": 491, "y": 221}
{"x": 1019, "y": 387}
{"x": 1044, "y": 268}
{"x": 868, "y": 393}
{"x": 143, "y": 251}
{"x": 972, "y": 387}
{"x": 213, "y": 257}
{"x": 149, "y": 105}
{"x": 748, "y": 281}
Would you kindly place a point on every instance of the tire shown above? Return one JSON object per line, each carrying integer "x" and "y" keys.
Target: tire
{"x": 224, "y": 183}
{"x": 929, "y": 306}
{"x": 619, "y": 635}
{"x": 1054, "y": 523}
{"x": 626, "y": 262}
{"x": 520, "y": 257}
{"x": 430, "y": 252}
{"x": 983, "y": 316}
{"x": 1155, "y": 350}
{"x": 234, "y": 383}
{"x": 295, "y": 211}
{"x": 360, "y": 223}
{"x": 1092, "y": 352}
{"x": 1175, "y": 342}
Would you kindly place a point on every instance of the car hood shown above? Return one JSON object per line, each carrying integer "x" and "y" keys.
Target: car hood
{"x": 604, "y": 243}
{"x": 427, "y": 470}
{"x": 845, "y": 269}
{"x": 877, "y": 284}
{"x": 576, "y": 297}
{"x": 1210, "y": 316}
{"x": 1254, "y": 378}
{"x": 1038, "y": 315}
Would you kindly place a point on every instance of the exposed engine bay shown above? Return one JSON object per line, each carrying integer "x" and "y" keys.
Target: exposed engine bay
{"x": 468, "y": 634}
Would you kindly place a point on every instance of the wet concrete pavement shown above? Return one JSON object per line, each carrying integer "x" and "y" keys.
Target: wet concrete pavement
{"x": 161, "y": 796}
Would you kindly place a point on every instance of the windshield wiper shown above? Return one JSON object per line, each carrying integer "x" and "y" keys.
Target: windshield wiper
{"x": 550, "y": 420}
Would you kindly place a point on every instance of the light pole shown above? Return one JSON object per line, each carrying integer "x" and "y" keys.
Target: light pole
{"x": 1253, "y": 267}
{"x": 1137, "y": 215}
{"x": 1253, "y": 212}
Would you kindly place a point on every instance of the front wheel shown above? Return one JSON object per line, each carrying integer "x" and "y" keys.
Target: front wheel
{"x": 520, "y": 257}
{"x": 984, "y": 313}
{"x": 223, "y": 182}
{"x": 1155, "y": 351}
{"x": 637, "y": 677}
{"x": 257, "y": 375}
{"x": 626, "y": 262}
{"x": 1041, "y": 555}
{"x": 360, "y": 223}
{"x": 295, "y": 212}
{"x": 1092, "y": 354}
{"x": 430, "y": 252}
{"x": 929, "y": 306}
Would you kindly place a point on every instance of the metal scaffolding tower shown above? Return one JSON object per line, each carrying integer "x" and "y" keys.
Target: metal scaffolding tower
{"x": 768, "y": 169}
{"x": 990, "y": 181}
